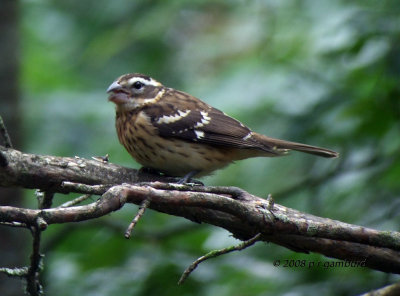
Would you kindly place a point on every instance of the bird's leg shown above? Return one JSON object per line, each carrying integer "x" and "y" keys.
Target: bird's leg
{"x": 187, "y": 177}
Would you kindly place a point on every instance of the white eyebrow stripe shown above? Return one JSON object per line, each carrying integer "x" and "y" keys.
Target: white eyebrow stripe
{"x": 144, "y": 81}
{"x": 172, "y": 118}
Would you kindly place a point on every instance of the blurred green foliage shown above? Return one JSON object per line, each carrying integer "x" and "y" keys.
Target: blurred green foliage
{"x": 321, "y": 72}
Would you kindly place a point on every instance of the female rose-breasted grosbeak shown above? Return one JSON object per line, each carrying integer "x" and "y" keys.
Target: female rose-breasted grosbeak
{"x": 177, "y": 134}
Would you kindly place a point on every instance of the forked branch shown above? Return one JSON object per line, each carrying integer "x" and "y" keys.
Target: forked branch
{"x": 242, "y": 214}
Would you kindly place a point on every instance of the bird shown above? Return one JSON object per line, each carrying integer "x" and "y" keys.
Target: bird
{"x": 179, "y": 135}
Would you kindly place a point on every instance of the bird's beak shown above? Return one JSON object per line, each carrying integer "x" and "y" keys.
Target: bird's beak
{"x": 117, "y": 94}
{"x": 114, "y": 86}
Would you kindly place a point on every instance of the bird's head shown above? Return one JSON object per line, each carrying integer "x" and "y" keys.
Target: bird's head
{"x": 132, "y": 91}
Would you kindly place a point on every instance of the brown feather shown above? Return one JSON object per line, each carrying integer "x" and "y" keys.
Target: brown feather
{"x": 282, "y": 144}
{"x": 176, "y": 133}
{"x": 220, "y": 130}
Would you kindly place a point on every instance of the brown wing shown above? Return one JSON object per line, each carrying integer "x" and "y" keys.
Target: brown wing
{"x": 179, "y": 115}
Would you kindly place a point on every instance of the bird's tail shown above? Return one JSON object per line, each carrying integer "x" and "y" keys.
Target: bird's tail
{"x": 281, "y": 146}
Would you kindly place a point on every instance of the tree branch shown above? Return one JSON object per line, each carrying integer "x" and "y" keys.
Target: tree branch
{"x": 47, "y": 173}
{"x": 239, "y": 212}
{"x": 4, "y": 134}
{"x": 217, "y": 253}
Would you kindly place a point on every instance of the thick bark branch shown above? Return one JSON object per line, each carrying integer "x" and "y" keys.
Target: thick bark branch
{"x": 241, "y": 213}
{"x": 47, "y": 173}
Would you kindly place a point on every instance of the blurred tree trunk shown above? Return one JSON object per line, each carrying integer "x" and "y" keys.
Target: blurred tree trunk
{"x": 11, "y": 242}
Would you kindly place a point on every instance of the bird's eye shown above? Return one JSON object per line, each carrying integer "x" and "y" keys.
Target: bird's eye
{"x": 138, "y": 85}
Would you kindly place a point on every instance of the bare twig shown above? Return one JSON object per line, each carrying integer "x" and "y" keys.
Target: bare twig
{"x": 83, "y": 188}
{"x": 34, "y": 288}
{"x": 217, "y": 253}
{"x": 234, "y": 192}
{"x": 15, "y": 272}
{"x": 270, "y": 202}
{"x": 4, "y": 133}
{"x": 14, "y": 224}
{"x": 45, "y": 199}
{"x": 75, "y": 201}
{"x": 48, "y": 200}
{"x": 142, "y": 208}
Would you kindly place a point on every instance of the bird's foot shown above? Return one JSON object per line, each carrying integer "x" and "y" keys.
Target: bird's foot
{"x": 188, "y": 177}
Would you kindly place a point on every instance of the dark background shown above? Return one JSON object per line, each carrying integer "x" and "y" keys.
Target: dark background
{"x": 320, "y": 72}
